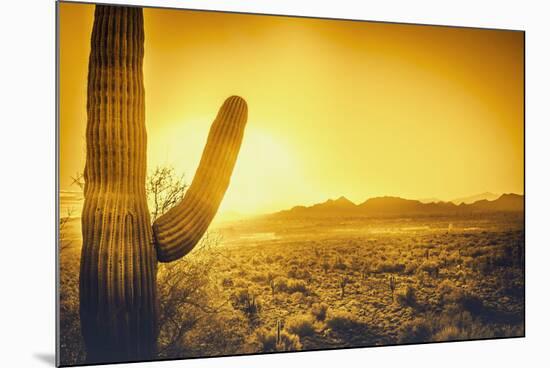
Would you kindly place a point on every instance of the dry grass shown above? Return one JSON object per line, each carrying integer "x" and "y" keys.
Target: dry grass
{"x": 286, "y": 293}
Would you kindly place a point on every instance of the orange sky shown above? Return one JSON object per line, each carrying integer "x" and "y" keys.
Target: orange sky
{"x": 335, "y": 107}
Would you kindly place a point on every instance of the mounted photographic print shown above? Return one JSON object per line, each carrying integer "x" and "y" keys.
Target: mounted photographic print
{"x": 235, "y": 183}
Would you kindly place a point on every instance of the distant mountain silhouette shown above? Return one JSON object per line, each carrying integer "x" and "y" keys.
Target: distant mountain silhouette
{"x": 340, "y": 206}
{"x": 395, "y": 206}
{"x": 478, "y": 197}
{"x": 504, "y": 203}
{"x": 430, "y": 200}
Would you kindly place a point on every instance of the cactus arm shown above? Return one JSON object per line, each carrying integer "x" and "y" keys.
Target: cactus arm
{"x": 178, "y": 231}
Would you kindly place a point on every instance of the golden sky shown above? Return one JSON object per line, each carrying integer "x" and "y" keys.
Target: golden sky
{"x": 335, "y": 107}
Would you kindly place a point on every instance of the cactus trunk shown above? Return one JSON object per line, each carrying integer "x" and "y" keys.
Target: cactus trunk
{"x": 118, "y": 298}
{"x": 118, "y": 267}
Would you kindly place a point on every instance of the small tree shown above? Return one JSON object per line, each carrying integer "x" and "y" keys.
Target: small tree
{"x": 164, "y": 190}
{"x": 186, "y": 290}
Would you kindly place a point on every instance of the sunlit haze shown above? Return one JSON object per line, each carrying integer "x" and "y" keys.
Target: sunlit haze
{"x": 336, "y": 108}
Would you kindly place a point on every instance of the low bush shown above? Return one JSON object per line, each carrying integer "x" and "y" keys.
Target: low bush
{"x": 470, "y": 302}
{"x": 415, "y": 331}
{"x": 406, "y": 296}
{"x": 319, "y": 311}
{"x": 390, "y": 267}
{"x": 246, "y": 302}
{"x": 291, "y": 286}
{"x": 342, "y": 321}
{"x": 301, "y": 325}
{"x": 297, "y": 286}
{"x": 410, "y": 267}
{"x": 265, "y": 341}
{"x": 431, "y": 267}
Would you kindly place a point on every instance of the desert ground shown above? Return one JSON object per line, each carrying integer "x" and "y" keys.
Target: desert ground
{"x": 265, "y": 285}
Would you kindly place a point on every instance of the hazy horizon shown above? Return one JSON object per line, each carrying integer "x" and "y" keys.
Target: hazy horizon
{"x": 73, "y": 199}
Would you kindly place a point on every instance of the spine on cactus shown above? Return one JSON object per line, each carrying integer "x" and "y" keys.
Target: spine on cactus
{"x": 178, "y": 230}
{"x": 118, "y": 303}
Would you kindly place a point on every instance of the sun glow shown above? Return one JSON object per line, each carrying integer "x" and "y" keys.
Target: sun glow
{"x": 266, "y": 168}
{"x": 352, "y": 109}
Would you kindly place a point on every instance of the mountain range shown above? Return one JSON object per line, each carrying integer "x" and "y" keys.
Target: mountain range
{"x": 395, "y": 206}
{"x": 466, "y": 200}
{"x": 478, "y": 197}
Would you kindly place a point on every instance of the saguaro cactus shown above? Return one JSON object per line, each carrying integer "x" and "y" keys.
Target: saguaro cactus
{"x": 118, "y": 298}
{"x": 392, "y": 287}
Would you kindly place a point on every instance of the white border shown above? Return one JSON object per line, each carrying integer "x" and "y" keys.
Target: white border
{"x": 28, "y": 154}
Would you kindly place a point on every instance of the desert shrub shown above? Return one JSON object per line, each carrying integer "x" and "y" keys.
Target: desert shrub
{"x": 319, "y": 311}
{"x": 281, "y": 284}
{"x": 406, "y": 296}
{"x": 502, "y": 259}
{"x": 164, "y": 189}
{"x": 299, "y": 299}
{"x": 71, "y": 344}
{"x": 431, "y": 267}
{"x": 292, "y": 262}
{"x": 410, "y": 267}
{"x": 305, "y": 275}
{"x": 452, "y": 315}
{"x": 460, "y": 275}
{"x": 290, "y": 286}
{"x": 297, "y": 286}
{"x": 227, "y": 282}
{"x": 422, "y": 277}
{"x": 214, "y": 333}
{"x": 450, "y": 294}
{"x": 258, "y": 278}
{"x": 292, "y": 273}
{"x": 447, "y": 291}
{"x": 365, "y": 271}
{"x": 434, "y": 252}
{"x": 458, "y": 324}
{"x": 301, "y": 325}
{"x": 266, "y": 341}
{"x": 484, "y": 264}
{"x": 357, "y": 265}
{"x": 454, "y": 257}
{"x": 448, "y": 333}
{"x": 474, "y": 251}
{"x": 342, "y": 321}
{"x": 188, "y": 300}
{"x": 298, "y": 273}
{"x": 289, "y": 342}
{"x": 414, "y": 331}
{"x": 453, "y": 323}
{"x": 246, "y": 302}
{"x": 339, "y": 264}
{"x": 390, "y": 267}
{"x": 470, "y": 302}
